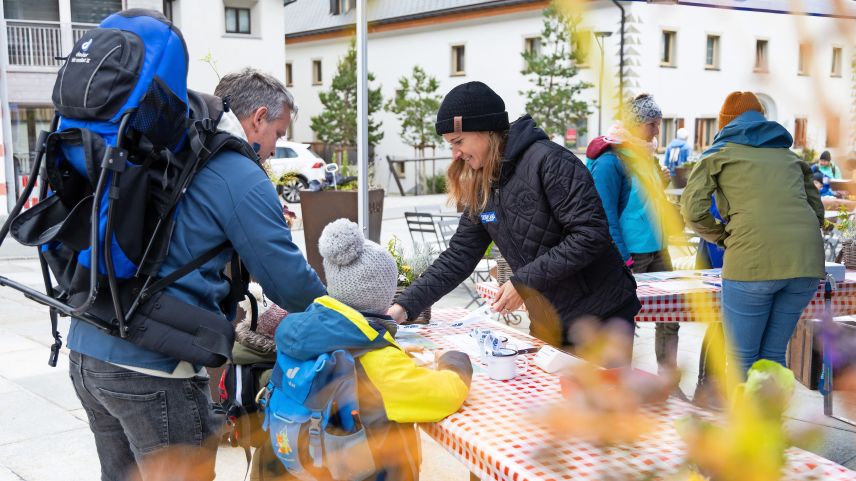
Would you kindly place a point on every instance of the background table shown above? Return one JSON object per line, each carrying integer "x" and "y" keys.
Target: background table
{"x": 703, "y": 305}
{"x": 493, "y": 437}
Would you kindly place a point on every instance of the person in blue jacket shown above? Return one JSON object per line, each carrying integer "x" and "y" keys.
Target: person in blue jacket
{"x": 628, "y": 180}
{"x": 138, "y": 401}
{"x": 678, "y": 151}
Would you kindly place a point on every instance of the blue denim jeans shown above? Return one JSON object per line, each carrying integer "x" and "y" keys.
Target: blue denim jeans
{"x": 760, "y": 316}
{"x": 135, "y": 416}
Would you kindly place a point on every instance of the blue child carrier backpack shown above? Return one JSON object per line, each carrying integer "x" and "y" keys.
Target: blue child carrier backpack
{"x": 125, "y": 143}
{"x": 311, "y": 413}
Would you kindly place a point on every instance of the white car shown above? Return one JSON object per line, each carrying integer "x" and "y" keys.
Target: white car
{"x": 297, "y": 158}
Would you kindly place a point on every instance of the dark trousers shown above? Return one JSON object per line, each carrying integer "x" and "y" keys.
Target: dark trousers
{"x": 147, "y": 427}
{"x": 665, "y": 333}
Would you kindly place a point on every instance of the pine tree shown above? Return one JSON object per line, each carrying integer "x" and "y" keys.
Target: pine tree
{"x": 553, "y": 101}
{"x": 337, "y": 122}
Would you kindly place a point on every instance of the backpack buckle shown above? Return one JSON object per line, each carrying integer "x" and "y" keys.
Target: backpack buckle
{"x": 115, "y": 159}
{"x": 315, "y": 451}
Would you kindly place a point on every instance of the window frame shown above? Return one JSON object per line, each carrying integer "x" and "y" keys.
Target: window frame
{"x": 669, "y": 126}
{"x": 535, "y": 40}
{"x": 833, "y": 132}
{"x": 670, "y": 38}
{"x": 289, "y": 74}
{"x": 717, "y": 38}
{"x": 804, "y": 59}
{"x": 836, "y": 67}
{"x": 319, "y": 80}
{"x": 238, "y": 11}
{"x": 584, "y": 40}
{"x": 800, "y": 132}
{"x": 454, "y": 67}
{"x": 765, "y": 68}
{"x": 705, "y": 131}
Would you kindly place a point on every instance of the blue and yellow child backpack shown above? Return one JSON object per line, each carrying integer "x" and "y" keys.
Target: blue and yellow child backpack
{"x": 311, "y": 414}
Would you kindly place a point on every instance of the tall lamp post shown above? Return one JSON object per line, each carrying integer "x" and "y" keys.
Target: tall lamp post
{"x": 599, "y": 37}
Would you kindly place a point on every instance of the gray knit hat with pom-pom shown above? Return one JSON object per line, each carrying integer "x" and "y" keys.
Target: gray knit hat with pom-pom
{"x": 360, "y": 273}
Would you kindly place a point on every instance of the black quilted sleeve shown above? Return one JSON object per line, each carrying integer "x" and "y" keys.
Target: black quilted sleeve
{"x": 575, "y": 203}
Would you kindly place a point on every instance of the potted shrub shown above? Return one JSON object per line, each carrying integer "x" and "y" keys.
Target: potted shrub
{"x": 847, "y": 226}
{"x": 410, "y": 268}
{"x": 682, "y": 173}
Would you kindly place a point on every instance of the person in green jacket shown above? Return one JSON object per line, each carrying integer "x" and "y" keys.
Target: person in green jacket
{"x": 771, "y": 214}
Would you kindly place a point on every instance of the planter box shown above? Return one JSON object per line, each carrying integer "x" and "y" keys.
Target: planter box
{"x": 679, "y": 180}
{"x": 805, "y": 354}
{"x": 322, "y": 207}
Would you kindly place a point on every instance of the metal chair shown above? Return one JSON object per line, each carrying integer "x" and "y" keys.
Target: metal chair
{"x": 447, "y": 228}
{"x": 421, "y": 224}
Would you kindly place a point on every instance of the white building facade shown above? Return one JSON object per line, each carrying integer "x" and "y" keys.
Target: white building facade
{"x": 688, "y": 56}
{"x": 222, "y": 36}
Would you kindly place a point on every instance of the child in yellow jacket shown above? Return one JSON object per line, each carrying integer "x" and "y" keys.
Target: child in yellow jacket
{"x": 393, "y": 392}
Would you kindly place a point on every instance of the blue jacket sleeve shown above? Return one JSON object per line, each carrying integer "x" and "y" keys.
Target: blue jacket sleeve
{"x": 259, "y": 234}
{"x": 607, "y": 180}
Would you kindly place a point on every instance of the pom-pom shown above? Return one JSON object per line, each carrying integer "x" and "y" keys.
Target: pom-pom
{"x": 341, "y": 242}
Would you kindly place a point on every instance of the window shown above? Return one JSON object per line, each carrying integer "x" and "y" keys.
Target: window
{"x": 583, "y": 46}
{"x": 833, "y": 131}
{"x": 30, "y": 10}
{"x": 532, "y": 45}
{"x": 237, "y": 20}
{"x": 338, "y": 7}
{"x": 836, "y": 62}
{"x": 167, "y": 9}
{"x": 761, "y": 60}
{"x": 92, "y": 11}
{"x": 711, "y": 53}
{"x": 289, "y": 78}
{"x": 458, "y": 58}
{"x": 285, "y": 153}
{"x": 668, "y": 54}
{"x": 317, "y": 78}
{"x": 26, "y": 123}
{"x": 668, "y": 132}
{"x": 705, "y": 130}
{"x": 804, "y": 67}
{"x": 800, "y": 127}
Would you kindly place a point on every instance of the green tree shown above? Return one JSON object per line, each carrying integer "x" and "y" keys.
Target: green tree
{"x": 553, "y": 101}
{"x": 337, "y": 122}
{"x": 415, "y": 105}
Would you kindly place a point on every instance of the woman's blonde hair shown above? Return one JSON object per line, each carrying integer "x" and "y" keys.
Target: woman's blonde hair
{"x": 471, "y": 188}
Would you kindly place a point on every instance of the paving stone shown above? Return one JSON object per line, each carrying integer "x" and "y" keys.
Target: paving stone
{"x": 55, "y": 388}
{"x": 66, "y": 456}
{"x": 31, "y": 362}
{"x": 10, "y": 342}
{"x": 27, "y": 416}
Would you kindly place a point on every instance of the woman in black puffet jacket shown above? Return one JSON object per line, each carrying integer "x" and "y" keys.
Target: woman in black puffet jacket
{"x": 538, "y": 203}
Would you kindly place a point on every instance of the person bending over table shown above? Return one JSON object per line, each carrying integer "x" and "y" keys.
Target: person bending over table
{"x": 538, "y": 203}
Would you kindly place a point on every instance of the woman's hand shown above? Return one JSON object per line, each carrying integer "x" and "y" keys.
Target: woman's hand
{"x": 397, "y": 313}
{"x": 507, "y": 299}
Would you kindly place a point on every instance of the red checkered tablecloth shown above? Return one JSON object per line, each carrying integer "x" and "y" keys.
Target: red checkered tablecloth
{"x": 494, "y": 437}
{"x": 659, "y": 305}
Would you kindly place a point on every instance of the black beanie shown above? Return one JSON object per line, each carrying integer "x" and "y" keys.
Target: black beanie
{"x": 471, "y": 107}
{"x": 826, "y": 155}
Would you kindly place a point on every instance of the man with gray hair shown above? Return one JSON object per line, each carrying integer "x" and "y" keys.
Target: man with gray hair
{"x": 261, "y": 104}
{"x": 141, "y": 403}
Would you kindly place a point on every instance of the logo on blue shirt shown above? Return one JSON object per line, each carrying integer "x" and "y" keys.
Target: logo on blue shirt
{"x": 488, "y": 217}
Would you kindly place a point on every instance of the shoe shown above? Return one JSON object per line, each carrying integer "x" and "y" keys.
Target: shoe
{"x": 677, "y": 393}
{"x": 706, "y": 396}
